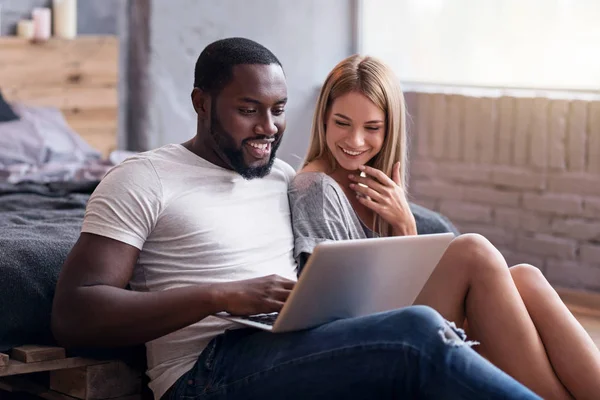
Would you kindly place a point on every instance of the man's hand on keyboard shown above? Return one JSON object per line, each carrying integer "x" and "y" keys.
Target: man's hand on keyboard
{"x": 256, "y": 296}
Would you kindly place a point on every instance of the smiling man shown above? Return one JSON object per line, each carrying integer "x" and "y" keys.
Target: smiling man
{"x": 204, "y": 227}
{"x": 241, "y": 128}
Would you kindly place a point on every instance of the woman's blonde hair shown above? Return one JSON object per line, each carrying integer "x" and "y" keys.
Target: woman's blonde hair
{"x": 376, "y": 81}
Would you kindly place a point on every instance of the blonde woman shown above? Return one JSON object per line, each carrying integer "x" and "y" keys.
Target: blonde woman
{"x": 360, "y": 127}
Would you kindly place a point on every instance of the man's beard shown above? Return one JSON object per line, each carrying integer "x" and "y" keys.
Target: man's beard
{"x": 234, "y": 156}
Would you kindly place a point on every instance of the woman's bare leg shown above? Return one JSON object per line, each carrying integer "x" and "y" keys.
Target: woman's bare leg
{"x": 572, "y": 353}
{"x": 473, "y": 281}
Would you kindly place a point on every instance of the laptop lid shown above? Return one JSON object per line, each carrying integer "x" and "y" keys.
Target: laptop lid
{"x": 352, "y": 278}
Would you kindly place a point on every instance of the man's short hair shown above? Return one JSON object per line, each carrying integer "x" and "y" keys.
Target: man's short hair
{"x": 215, "y": 64}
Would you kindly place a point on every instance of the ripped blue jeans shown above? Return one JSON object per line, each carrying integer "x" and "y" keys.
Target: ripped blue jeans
{"x": 412, "y": 353}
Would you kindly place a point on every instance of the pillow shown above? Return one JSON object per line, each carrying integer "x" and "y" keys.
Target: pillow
{"x": 429, "y": 221}
{"x": 6, "y": 112}
{"x": 41, "y": 136}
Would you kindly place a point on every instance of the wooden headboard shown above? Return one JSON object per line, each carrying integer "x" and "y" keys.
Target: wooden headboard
{"x": 78, "y": 76}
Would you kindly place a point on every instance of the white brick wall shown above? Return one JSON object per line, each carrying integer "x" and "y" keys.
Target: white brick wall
{"x": 548, "y": 246}
{"x": 524, "y": 172}
{"x": 506, "y": 128}
{"x": 591, "y": 208}
{"x": 500, "y": 237}
{"x": 487, "y": 195}
{"x": 559, "y": 204}
{"x": 517, "y": 178}
{"x": 522, "y": 142}
{"x": 581, "y": 229}
{"x": 515, "y": 258}
{"x": 557, "y": 135}
{"x": 436, "y": 189}
{"x": 423, "y": 168}
{"x": 577, "y": 138}
{"x": 590, "y": 254}
{"x": 466, "y": 212}
{"x": 438, "y": 124}
{"x": 454, "y": 131}
{"x": 532, "y": 222}
{"x": 593, "y": 148}
{"x": 572, "y": 274}
{"x": 579, "y": 183}
{"x": 538, "y": 150}
{"x": 507, "y": 218}
{"x": 464, "y": 172}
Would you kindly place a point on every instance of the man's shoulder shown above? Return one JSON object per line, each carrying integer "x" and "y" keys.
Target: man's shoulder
{"x": 169, "y": 152}
{"x": 160, "y": 161}
{"x": 146, "y": 157}
{"x": 127, "y": 175}
{"x": 133, "y": 167}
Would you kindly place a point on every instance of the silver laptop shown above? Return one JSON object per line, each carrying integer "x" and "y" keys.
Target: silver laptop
{"x": 353, "y": 278}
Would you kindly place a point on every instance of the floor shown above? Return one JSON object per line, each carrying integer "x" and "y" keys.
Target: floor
{"x": 591, "y": 325}
{"x": 586, "y": 308}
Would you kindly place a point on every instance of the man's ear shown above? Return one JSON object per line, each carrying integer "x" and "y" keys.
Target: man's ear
{"x": 201, "y": 102}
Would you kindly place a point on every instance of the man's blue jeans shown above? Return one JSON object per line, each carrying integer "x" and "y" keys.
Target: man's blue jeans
{"x": 412, "y": 353}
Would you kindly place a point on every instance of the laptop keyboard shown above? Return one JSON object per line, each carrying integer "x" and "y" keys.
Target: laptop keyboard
{"x": 267, "y": 319}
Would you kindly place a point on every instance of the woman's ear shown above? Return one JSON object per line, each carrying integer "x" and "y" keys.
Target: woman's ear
{"x": 201, "y": 102}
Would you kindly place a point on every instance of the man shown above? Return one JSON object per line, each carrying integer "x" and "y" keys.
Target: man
{"x": 204, "y": 227}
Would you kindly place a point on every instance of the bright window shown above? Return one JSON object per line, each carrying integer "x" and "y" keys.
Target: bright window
{"x": 547, "y": 44}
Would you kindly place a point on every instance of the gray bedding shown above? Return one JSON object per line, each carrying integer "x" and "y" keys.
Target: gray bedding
{"x": 38, "y": 226}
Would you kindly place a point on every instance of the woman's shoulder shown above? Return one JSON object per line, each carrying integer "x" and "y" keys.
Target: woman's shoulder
{"x": 313, "y": 181}
{"x": 312, "y": 176}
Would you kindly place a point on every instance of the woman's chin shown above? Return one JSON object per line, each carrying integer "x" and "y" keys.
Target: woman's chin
{"x": 350, "y": 165}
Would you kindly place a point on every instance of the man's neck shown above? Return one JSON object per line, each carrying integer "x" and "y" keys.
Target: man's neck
{"x": 205, "y": 151}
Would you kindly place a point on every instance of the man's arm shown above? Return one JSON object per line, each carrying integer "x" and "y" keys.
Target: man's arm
{"x": 93, "y": 308}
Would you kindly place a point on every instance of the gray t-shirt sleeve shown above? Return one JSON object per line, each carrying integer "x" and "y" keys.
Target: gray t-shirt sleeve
{"x": 320, "y": 212}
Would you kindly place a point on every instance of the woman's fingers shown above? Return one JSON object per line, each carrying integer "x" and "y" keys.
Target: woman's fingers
{"x": 368, "y": 202}
{"x": 367, "y": 191}
{"x": 378, "y": 175}
{"x": 373, "y": 184}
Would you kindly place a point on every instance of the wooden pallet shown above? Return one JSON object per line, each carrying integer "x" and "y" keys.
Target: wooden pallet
{"x": 67, "y": 378}
{"x": 29, "y": 359}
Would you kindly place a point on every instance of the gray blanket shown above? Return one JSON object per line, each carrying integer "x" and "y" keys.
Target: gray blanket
{"x": 38, "y": 226}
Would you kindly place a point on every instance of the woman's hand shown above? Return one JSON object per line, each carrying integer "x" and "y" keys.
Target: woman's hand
{"x": 385, "y": 197}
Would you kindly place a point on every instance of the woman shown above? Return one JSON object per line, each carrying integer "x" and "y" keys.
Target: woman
{"x": 353, "y": 185}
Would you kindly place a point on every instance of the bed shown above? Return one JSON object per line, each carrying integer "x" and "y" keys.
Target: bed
{"x": 58, "y": 127}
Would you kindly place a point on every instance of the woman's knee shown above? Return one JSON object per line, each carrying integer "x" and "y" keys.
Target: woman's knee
{"x": 526, "y": 272}
{"x": 472, "y": 244}
{"x": 474, "y": 250}
{"x": 528, "y": 278}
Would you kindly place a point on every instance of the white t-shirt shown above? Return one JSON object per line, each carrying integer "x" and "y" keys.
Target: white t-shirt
{"x": 194, "y": 222}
